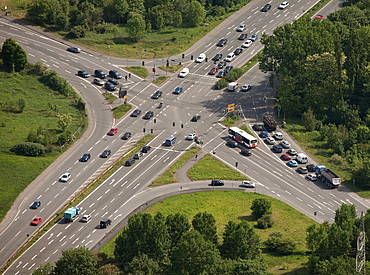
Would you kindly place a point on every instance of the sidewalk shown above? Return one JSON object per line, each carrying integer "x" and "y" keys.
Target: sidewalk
{"x": 181, "y": 174}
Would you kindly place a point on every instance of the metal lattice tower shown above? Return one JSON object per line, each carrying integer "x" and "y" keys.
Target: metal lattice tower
{"x": 360, "y": 255}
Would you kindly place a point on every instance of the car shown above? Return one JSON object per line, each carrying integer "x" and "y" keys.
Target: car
{"x": 149, "y": 115}
{"x": 266, "y": 8}
{"x": 248, "y": 184}
{"x": 292, "y": 163}
{"x": 191, "y": 136}
{"x": 106, "y": 153}
{"x": 157, "y": 94}
{"x": 228, "y": 69}
{"x": 217, "y": 183}
{"x": 221, "y": 64}
{"x": 136, "y": 113}
{"x": 302, "y": 170}
{"x": 138, "y": 155}
{"x": 85, "y": 157}
{"x": 277, "y": 149}
{"x": 146, "y": 149}
{"x": 311, "y": 177}
{"x": 254, "y": 37}
{"x": 292, "y": 152}
{"x": 112, "y": 131}
{"x": 98, "y": 82}
{"x": 217, "y": 57}
{"x": 258, "y": 127}
{"x": 35, "y": 205}
{"x": 74, "y": 49}
{"x": 178, "y": 90}
{"x": 221, "y": 74}
{"x": 264, "y": 134}
{"x": 278, "y": 136}
{"x": 246, "y": 152}
{"x": 113, "y": 81}
{"x": 232, "y": 143}
{"x": 100, "y": 74}
{"x": 109, "y": 86}
{"x": 86, "y": 218}
{"x": 319, "y": 16}
{"x": 195, "y": 118}
{"x": 213, "y": 71}
{"x": 230, "y": 57}
{"x": 222, "y": 42}
{"x": 201, "y": 58}
{"x": 285, "y": 144}
{"x": 184, "y": 72}
{"x": 105, "y": 223}
{"x": 285, "y": 157}
{"x": 129, "y": 162}
{"x": 126, "y": 135}
{"x": 36, "y": 221}
{"x": 311, "y": 167}
{"x": 114, "y": 74}
{"x": 270, "y": 140}
{"x": 247, "y": 43}
{"x": 83, "y": 74}
{"x": 241, "y": 28}
{"x": 242, "y": 36}
{"x": 283, "y": 5}
{"x": 246, "y": 87}
{"x": 238, "y": 51}
{"x": 65, "y": 177}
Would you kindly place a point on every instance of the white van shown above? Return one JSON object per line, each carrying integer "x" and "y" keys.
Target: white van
{"x": 301, "y": 158}
{"x": 233, "y": 86}
{"x": 230, "y": 57}
{"x": 200, "y": 58}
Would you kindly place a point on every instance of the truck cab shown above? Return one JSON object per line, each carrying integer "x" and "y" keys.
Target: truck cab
{"x": 105, "y": 223}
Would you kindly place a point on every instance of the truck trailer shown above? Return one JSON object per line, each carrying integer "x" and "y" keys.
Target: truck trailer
{"x": 269, "y": 123}
{"x": 71, "y": 214}
{"x": 327, "y": 176}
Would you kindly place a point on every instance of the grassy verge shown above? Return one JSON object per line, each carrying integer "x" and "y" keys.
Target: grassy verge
{"x": 171, "y": 68}
{"x": 169, "y": 175}
{"x": 231, "y": 119}
{"x": 110, "y": 97}
{"x": 140, "y": 71}
{"x": 121, "y": 110}
{"x": 235, "y": 206}
{"x": 160, "y": 80}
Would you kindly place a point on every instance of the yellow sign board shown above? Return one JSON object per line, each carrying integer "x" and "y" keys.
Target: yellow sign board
{"x": 230, "y": 108}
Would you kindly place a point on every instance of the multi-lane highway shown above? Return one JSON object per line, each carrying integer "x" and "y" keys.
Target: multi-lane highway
{"x": 119, "y": 194}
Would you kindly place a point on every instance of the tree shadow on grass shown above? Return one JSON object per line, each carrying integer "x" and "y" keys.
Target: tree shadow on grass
{"x": 248, "y": 218}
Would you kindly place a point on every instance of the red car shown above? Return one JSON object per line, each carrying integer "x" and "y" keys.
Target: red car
{"x": 36, "y": 220}
{"x": 319, "y": 16}
{"x": 112, "y": 131}
{"x": 213, "y": 71}
{"x": 286, "y": 157}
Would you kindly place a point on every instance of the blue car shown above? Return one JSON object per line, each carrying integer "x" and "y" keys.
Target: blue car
{"x": 36, "y": 205}
{"x": 264, "y": 134}
{"x": 292, "y": 163}
{"x": 178, "y": 90}
{"x": 254, "y": 37}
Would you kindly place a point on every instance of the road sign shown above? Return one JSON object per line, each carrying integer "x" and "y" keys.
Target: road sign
{"x": 231, "y": 108}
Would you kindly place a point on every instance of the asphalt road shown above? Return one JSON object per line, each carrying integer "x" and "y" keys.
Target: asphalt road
{"x": 112, "y": 198}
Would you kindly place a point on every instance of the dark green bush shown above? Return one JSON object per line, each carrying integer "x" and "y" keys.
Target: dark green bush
{"x": 265, "y": 221}
{"x": 29, "y": 149}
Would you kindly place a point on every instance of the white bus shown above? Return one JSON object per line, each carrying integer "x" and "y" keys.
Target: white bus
{"x": 243, "y": 137}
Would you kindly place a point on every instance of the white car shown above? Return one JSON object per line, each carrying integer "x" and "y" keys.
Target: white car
{"x": 270, "y": 140}
{"x": 200, "y": 58}
{"x": 247, "y": 43}
{"x": 191, "y": 136}
{"x": 65, "y": 177}
{"x": 230, "y": 57}
{"x": 292, "y": 152}
{"x": 311, "y": 177}
{"x": 283, "y": 5}
{"x": 278, "y": 136}
{"x": 248, "y": 184}
{"x": 241, "y": 28}
{"x": 86, "y": 218}
{"x": 285, "y": 144}
{"x": 184, "y": 72}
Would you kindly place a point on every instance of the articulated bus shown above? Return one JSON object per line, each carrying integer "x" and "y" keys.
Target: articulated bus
{"x": 242, "y": 137}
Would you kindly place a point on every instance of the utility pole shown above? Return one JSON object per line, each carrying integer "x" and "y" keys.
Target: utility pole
{"x": 360, "y": 255}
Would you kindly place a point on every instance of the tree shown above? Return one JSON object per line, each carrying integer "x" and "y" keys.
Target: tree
{"x": 143, "y": 265}
{"x": 177, "y": 225}
{"x": 342, "y": 265}
{"x": 136, "y": 27}
{"x": 14, "y": 57}
{"x": 47, "y": 269}
{"x": 260, "y": 207}
{"x": 64, "y": 121}
{"x": 195, "y": 14}
{"x": 78, "y": 261}
{"x": 309, "y": 120}
{"x": 109, "y": 269}
{"x": 206, "y": 225}
{"x": 250, "y": 267}
{"x": 265, "y": 221}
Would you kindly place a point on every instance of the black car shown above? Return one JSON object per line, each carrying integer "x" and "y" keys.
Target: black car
{"x": 221, "y": 64}
{"x": 157, "y": 94}
{"x": 115, "y": 74}
{"x": 127, "y": 135}
{"x": 242, "y": 36}
{"x": 246, "y": 152}
{"x": 258, "y": 127}
{"x": 228, "y": 69}
{"x": 221, "y": 74}
{"x": 217, "y": 183}
{"x": 195, "y": 118}
{"x": 35, "y": 205}
{"x": 83, "y": 74}
{"x": 129, "y": 162}
{"x": 146, "y": 149}
{"x": 85, "y": 157}
{"x": 105, "y": 154}
{"x": 136, "y": 113}
{"x": 138, "y": 155}
{"x": 217, "y": 57}
{"x": 232, "y": 143}
{"x": 109, "y": 86}
{"x": 100, "y": 74}
{"x": 222, "y": 42}
{"x": 311, "y": 167}
{"x": 238, "y": 51}
{"x": 266, "y": 8}
{"x": 148, "y": 115}
{"x": 277, "y": 148}
{"x": 104, "y": 223}
{"x": 113, "y": 81}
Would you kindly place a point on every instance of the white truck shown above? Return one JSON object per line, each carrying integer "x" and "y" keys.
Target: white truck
{"x": 233, "y": 86}
{"x": 327, "y": 176}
